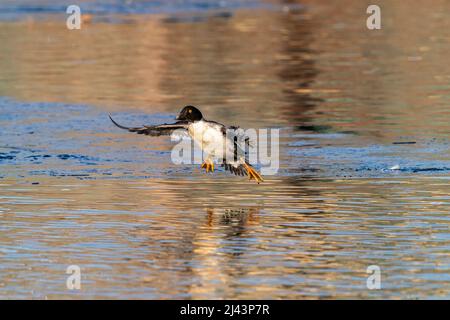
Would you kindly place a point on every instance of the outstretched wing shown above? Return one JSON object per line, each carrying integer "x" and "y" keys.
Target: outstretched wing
{"x": 158, "y": 130}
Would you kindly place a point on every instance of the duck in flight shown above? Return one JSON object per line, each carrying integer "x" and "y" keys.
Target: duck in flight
{"x": 212, "y": 138}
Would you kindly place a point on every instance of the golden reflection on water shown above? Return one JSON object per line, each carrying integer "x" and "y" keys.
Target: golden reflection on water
{"x": 157, "y": 239}
{"x": 183, "y": 235}
{"x": 286, "y": 67}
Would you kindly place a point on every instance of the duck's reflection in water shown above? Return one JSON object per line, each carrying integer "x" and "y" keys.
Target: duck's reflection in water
{"x": 205, "y": 256}
{"x": 236, "y": 219}
{"x": 218, "y": 258}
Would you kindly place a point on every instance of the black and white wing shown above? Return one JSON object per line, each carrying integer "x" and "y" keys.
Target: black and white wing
{"x": 157, "y": 130}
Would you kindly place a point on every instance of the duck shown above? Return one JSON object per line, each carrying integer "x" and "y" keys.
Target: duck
{"x": 212, "y": 137}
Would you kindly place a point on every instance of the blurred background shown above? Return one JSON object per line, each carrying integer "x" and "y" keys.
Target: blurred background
{"x": 364, "y": 179}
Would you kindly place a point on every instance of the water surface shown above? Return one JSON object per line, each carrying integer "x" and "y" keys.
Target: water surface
{"x": 364, "y": 169}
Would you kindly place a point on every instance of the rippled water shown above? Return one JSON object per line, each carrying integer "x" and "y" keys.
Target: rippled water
{"x": 364, "y": 171}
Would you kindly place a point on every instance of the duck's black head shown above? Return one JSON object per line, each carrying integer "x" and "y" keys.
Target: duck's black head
{"x": 190, "y": 113}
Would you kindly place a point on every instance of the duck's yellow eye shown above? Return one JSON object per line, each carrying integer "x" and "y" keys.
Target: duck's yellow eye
{"x": 190, "y": 110}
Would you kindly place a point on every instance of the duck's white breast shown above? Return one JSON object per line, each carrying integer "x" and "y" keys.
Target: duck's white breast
{"x": 208, "y": 135}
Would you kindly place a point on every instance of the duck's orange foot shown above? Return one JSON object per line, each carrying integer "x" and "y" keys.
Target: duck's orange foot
{"x": 208, "y": 165}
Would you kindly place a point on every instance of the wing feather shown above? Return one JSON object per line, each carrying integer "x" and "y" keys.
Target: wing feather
{"x": 157, "y": 130}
